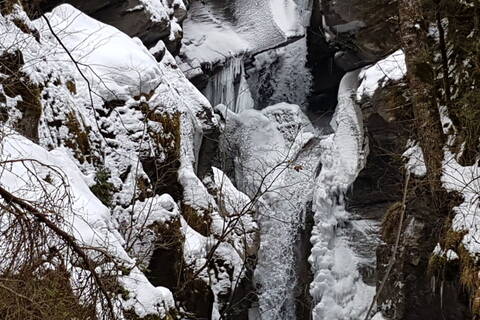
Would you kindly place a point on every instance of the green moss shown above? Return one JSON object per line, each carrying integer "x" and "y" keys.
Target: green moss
{"x": 103, "y": 189}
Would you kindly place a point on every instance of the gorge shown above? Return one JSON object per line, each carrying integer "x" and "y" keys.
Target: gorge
{"x": 239, "y": 159}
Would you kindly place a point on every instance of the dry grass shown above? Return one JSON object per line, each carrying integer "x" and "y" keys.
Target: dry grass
{"x": 42, "y": 296}
{"x": 391, "y": 221}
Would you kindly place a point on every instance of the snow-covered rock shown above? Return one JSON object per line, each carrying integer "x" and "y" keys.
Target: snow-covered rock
{"x": 392, "y": 67}
{"x": 84, "y": 217}
{"x": 132, "y": 128}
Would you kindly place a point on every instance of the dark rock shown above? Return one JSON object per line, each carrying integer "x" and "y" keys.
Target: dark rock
{"x": 409, "y": 292}
{"x": 320, "y": 60}
{"x": 15, "y": 83}
{"x": 303, "y": 300}
{"x": 363, "y": 30}
{"x": 208, "y": 151}
{"x": 167, "y": 268}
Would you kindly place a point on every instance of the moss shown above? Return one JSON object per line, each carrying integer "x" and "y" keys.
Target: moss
{"x": 6, "y": 6}
{"x": 167, "y": 142}
{"x": 468, "y": 115}
{"x": 30, "y": 6}
{"x": 436, "y": 264}
{"x": 78, "y": 141}
{"x": 453, "y": 239}
{"x": 144, "y": 188}
{"x": 103, "y": 189}
{"x": 462, "y": 37}
{"x": 71, "y": 86}
{"x": 466, "y": 269}
{"x": 391, "y": 221}
{"x": 169, "y": 254}
{"x": 147, "y": 96}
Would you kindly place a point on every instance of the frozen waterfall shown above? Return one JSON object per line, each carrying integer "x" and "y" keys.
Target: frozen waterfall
{"x": 338, "y": 290}
{"x": 229, "y": 87}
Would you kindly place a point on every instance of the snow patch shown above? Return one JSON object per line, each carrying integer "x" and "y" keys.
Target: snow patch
{"x": 415, "y": 161}
{"x": 392, "y": 67}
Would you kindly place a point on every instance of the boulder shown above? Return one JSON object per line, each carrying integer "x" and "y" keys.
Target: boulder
{"x": 149, "y": 21}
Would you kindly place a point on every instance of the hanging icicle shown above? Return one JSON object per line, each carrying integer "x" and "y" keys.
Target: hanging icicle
{"x": 229, "y": 87}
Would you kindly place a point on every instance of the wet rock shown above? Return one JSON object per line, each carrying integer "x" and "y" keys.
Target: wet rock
{"x": 388, "y": 127}
{"x": 364, "y": 30}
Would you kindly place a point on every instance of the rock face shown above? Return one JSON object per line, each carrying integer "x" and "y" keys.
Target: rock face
{"x": 148, "y": 20}
{"x": 411, "y": 291}
{"x": 364, "y": 30}
{"x": 136, "y": 143}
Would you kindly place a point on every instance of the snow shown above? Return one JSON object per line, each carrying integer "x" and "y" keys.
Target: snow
{"x": 100, "y": 51}
{"x": 392, "y": 67}
{"x": 281, "y": 75}
{"x": 286, "y": 17}
{"x": 119, "y": 67}
{"x": 209, "y": 40}
{"x": 87, "y": 219}
{"x": 215, "y": 33}
{"x": 234, "y": 200}
{"x": 415, "y": 161}
{"x": 378, "y": 316}
{"x": 337, "y": 289}
{"x": 450, "y": 255}
{"x": 195, "y": 245}
{"x": 464, "y": 179}
{"x": 157, "y": 10}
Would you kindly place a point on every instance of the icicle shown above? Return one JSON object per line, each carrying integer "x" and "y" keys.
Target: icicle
{"x": 229, "y": 87}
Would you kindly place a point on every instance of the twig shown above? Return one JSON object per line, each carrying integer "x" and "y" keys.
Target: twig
{"x": 67, "y": 238}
